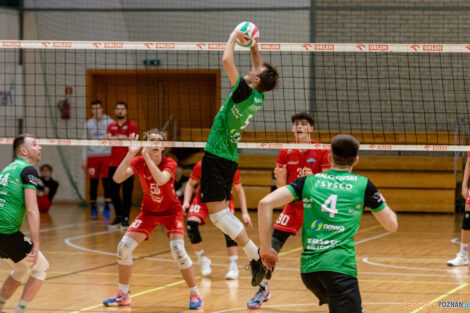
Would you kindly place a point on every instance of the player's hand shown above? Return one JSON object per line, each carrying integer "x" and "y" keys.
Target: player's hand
{"x": 268, "y": 257}
{"x": 247, "y": 220}
{"x": 464, "y": 191}
{"x": 145, "y": 151}
{"x": 280, "y": 172}
{"x": 185, "y": 207}
{"x": 134, "y": 150}
{"x": 241, "y": 37}
{"x": 33, "y": 255}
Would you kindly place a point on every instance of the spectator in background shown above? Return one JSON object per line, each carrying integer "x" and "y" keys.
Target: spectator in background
{"x": 123, "y": 129}
{"x": 95, "y": 159}
{"x": 47, "y": 188}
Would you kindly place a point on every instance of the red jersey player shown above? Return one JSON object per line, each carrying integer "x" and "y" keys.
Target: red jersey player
{"x": 291, "y": 164}
{"x": 197, "y": 215}
{"x": 159, "y": 206}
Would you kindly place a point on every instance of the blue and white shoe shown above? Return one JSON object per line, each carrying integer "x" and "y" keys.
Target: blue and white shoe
{"x": 195, "y": 301}
{"x": 261, "y": 296}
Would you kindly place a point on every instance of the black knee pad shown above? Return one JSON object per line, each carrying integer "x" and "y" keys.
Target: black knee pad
{"x": 466, "y": 221}
{"x": 278, "y": 239}
{"x": 193, "y": 231}
{"x": 230, "y": 242}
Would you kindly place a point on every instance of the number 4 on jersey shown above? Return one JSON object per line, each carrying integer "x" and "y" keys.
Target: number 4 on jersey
{"x": 331, "y": 202}
{"x": 4, "y": 179}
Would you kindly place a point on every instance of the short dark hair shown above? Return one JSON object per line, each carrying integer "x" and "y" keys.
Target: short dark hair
{"x": 19, "y": 141}
{"x": 303, "y": 116}
{"x": 155, "y": 131}
{"x": 122, "y": 103}
{"x": 344, "y": 149}
{"x": 97, "y": 102}
{"x": 268, "y": 78}
{"x": 45, "y": 166}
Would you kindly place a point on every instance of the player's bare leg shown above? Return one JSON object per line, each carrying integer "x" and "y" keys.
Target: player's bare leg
{"x": 192, "y": 228}
{"x": 461, "y": 258}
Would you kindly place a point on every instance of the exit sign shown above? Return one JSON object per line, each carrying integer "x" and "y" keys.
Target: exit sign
{"x": 151, "y": 62}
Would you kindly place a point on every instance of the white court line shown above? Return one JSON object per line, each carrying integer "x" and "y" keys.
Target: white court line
{"x": 63, "y": 226}
{"x": 409, "y": 274}
{"x": 455, "y": 240}
{"x": 366, "y": 260}
{"x": 301, "y": 304}
{"x": 69, "y": 243}
{"x": 372, "y": 238}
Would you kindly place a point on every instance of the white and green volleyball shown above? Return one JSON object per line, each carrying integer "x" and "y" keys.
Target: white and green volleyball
{"x": 251, "y": 33}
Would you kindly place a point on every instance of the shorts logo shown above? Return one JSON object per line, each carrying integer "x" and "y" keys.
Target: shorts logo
{"x": 28, "y": 240}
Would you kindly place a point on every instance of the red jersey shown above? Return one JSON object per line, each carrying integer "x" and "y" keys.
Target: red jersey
{"x": 196, "y": 175}
{"x": 305, "y": 163}
{"x": 156, "y": 198}
{"x": 119, "y": 153}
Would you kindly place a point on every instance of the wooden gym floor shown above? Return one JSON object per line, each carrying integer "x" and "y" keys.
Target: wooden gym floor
{"x": 398, "y": 272}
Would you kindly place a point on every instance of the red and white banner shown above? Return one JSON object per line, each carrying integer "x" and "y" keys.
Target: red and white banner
{"x": 242, "y": 145}
{"x": 301, "y": 47}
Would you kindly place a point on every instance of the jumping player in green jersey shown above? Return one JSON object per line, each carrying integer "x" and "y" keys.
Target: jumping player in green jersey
{"x": 18, "y": 182}
{"x": 220, "y": 159}
{"x": 333, "y": 203}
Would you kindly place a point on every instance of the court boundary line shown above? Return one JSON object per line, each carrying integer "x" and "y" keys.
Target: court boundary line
{"x": 441, "y": 297}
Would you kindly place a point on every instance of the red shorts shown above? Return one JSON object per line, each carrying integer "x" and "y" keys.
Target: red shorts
{"x": 146, "y": 224}
{"x": 43, "y": 203}
{"x": 98, "y": 166}
{"x": 199, "y": 209}
{"x": 291, "y": 218}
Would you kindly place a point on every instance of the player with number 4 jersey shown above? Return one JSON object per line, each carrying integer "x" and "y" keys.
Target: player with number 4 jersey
{"x": 333, "y": 203}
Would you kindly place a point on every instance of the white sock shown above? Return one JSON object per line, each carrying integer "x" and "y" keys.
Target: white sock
{"x": 464, "y": 250}
{"x": 233, "y": 259}
{"x": 124, "y": 288}
{"x": 251, "y": 251}
{"x": 200, "y": 254}
{"x": 21, "y": 306}
{"x": 191, "y": 289}
{"x": 2, "y": 302}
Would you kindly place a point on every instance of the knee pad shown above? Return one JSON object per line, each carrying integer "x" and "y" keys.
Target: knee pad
{"x": 40, "y": 268}
{"x": 466, "y": 221}
{"x": 125, "y": 248}
{"x": 179, "y": 254}
{"x": 229, "y": 242}
{"x": 21, "y": 270}
{"x": 227, "y": 222}
{"x": 193, "y": 232}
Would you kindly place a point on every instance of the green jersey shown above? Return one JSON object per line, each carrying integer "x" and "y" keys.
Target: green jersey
{"x": 13, "y": 180}
{"x": 234, "y": 115}
{"x": 333, "y": 203}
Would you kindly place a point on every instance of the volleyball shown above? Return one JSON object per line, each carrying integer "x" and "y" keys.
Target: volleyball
{"x": 251, "y": 33}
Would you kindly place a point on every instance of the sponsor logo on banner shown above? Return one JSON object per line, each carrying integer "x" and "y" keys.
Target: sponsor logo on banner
{"x": 436, "y": 148}
{"x": 164, "y": 45}
{"x": 468, "y": 47}
{"x": 65, "y": 142}
{"x": 270, "y": 46}
{"x": 271, "y": 145}
{"x": 324, "y": 46}
{"x": 11, "y": 43}
{"x": 415, "y": 47}
{"x": 62, "y": 44}
{"x": 433, "y": 47}
{"x": 361, "y": 46}
{"x": 216, "y": 46}
{"x": 380, "y": 147}
{"x": 378, "y": 47}
{"x": 201, "y": 45}
{"x": 113, "y": 45}
{"x": 45, "y": 43}
{"x": 307, "y": 46}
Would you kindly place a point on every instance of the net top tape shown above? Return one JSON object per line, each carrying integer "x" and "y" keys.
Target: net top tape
{"x": 219, "y": 46}
{"x": 242, "y": 145}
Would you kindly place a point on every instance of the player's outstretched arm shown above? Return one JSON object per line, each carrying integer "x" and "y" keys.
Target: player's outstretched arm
{"x": 256, "y": 56}
{"x": 238, "y": 188}
{"x": 228, "y": 59}
{"x": 466, "y": 176}
{"x": 33, "y": 221}
{"x": 188, "y": 193}
{"x": 387, "y": 218}
{"x": 277, "y": 198}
